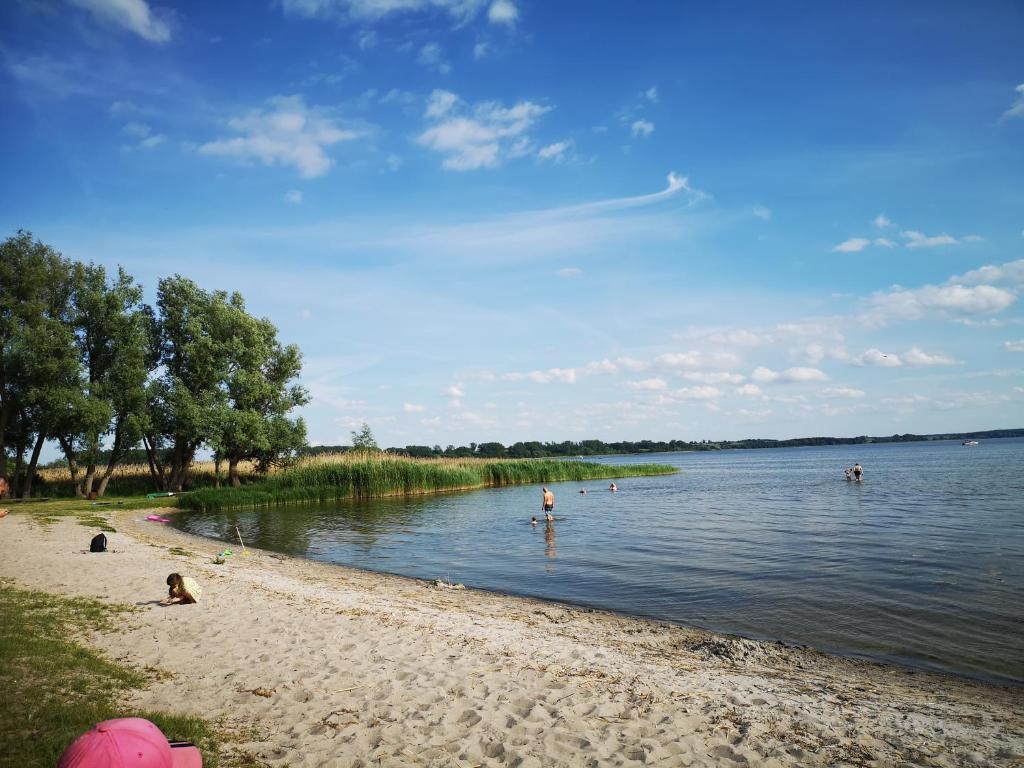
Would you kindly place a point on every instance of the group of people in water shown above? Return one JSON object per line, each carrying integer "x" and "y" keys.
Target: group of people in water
{"x": 855, "y": 474}
{"x": 547, "y": 503}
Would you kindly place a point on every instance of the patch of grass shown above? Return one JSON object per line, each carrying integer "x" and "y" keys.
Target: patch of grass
{"x": 52, "y": 688}
{"x": 180, "y": 551}
{"x": 95, "y": 521}
{"x": 363, "y": 476}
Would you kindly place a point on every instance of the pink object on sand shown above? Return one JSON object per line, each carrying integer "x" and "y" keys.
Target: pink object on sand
{"x": 158, "y": 519}
{"x": 128, "y": 741}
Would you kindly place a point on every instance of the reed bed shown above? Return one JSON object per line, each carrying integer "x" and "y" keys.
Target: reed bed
{"x": 363, "y": 476}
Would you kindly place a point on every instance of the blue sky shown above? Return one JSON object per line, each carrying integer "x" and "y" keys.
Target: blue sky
{"x": 511, "y": 220}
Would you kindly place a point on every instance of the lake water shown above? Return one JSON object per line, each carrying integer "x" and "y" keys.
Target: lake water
{"x": 921, "y": 564}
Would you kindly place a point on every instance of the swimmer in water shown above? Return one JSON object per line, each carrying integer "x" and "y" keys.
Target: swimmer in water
{"x": 583, "y": 491}
{"x": 849, "y": 475}
{"x": 613, "y": 487}
{"x": 858, "y": 470}
{"x": 533, "y": 520}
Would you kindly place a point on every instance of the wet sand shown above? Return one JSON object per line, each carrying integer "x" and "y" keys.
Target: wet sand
{"x": 314, "y": 664}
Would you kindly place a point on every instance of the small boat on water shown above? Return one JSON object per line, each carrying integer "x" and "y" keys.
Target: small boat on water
{"x": 969, "y": 442}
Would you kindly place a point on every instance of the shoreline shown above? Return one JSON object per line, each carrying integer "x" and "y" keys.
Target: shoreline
{"x": 364, "y": 667}
{"x": 907, "y": 666}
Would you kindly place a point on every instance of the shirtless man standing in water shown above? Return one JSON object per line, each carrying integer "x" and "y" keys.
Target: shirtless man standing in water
{"x": 548, "y": 504}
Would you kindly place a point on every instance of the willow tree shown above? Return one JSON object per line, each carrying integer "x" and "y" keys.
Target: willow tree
{"x": 222, "y": 382}
{"x": 38, "y": 368}
{"x": 112, "y": 335}
{"x": 257, "y": 427}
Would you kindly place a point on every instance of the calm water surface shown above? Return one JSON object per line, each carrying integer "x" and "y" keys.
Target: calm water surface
{"x": 921, "y": 564}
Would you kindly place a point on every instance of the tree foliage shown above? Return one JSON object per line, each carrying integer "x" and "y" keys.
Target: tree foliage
{"x": 84, "y": 362}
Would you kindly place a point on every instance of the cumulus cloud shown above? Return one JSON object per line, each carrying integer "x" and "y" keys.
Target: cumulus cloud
{"x": 956, "y": 300}
{"x": 697, "y": 393}
{"x": 885, "y": 242}
{"x": 655, "y": 384}
{"x": 286, "y": 133}
{"x": 1014, "y": 346}
{"x": 1012, "y": 273}
{"x": 569, "y": 272}
{"x": 481, "y": 136}
{"x": 293, "y": 197}
{"x": 144, "y": 134}
{"x": 714, "y": 377}
{"x": 133, "y": 15}
{"x": 763, "y": 375}
{"x": 554, "y": 152}
{"x": 917, "y": 356}
{"x": 695, "y": 359}
{"x": 749, "y": 390}
{"x": 762, "y": 212}
{"x": 456, "y": 390}
{"x": 877, "y": 359}
{"x": 642, "y": 128}
{"x": 845, "y": 392}
{"x": 503, "y": 12}
{"x": 853, "y": 245}
{"x": 1017, "y": 108}
{"x": 563, "y": 375}
{"x": 461, "y": 11}
{"x": 882, "y": 221}
{"x": 431, "y": 56}
{"x": 917, "y": 239}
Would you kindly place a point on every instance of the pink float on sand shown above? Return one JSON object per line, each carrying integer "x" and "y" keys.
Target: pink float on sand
{"x": 158, "y": 519}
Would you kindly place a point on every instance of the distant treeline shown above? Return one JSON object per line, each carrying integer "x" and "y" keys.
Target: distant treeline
{"x": 536, "y": 450}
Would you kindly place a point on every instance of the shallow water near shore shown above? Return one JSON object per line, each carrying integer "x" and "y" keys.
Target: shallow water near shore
{"x": 921, "y": 564}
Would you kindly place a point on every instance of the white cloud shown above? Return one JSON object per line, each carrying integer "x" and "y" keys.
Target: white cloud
{"x": 912, "y": 304}
{"x": 481, "y": 137}
{"x": 651, "y": 94}
{"x": 642, "y": 128}
{"x": 697, "y": 393}
{"x": 878, "y": 359}
{"x": 764, "y": 375}
{"x": 1017, "y": 108}
{"x": 749, "y": 390}
{"x": 142, "y": 132}
{"x": 882, "y": 221}
{"x": 916, "y": 356}
{"x": 133, "y": 15}
{"x": 762, "y": 212}
{"x": 456, "y": 390}
{"x": 480, "y": 50}
{"x": 655, "y": 384}
{"x": 563, "y": 375}
{"x": 503, "y": 12}
{"x": 853, "y": 245}
{"x": 431, "y": 56}
{"x": 1014, "y": 346}
{"x": 293, "y": 197}
{"x": 885, "y": 242}
{"x": 366, "y": 39}
{"x": 1011, "y": 272}
{"x": 917, "y": 239}
{"x": 714, "y": 377}
{"x": 413, "y": 408}
{"x": 440, "y": 103}
{"x": 152, "y": 141}
{"x": 287, "y": 133}
{"x": 569, "y": 272}
{"x": 695, "y": 359}
{"x": 846, "y": 392}
{"x": 461, "y": 11}
{"x": 555, "y": 152}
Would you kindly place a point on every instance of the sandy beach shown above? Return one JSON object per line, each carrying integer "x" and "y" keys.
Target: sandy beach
{"x": 323, "y": 665}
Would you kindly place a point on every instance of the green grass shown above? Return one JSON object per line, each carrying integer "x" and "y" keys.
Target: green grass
{"x": 52, "y": 688}
{"x": 374, "y": 476}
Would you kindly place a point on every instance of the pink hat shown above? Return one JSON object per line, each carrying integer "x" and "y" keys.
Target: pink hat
{"x": 129, "y": 742}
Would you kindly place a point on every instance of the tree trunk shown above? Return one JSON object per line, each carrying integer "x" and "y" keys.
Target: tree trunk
{"x": 69, "y": 454}
{"x": 26, "y": 490}
{"x": 19, "y": 462}
{"x": 115, "y": 455}
{"x": 90, "y": 476}
{"x": 216, "y": 470}
{"x": 156, "y": 469}
{"x": 233, "y": 472}
{"x": 5, "y": 413}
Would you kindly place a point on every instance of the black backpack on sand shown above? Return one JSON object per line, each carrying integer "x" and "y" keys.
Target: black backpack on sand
{"x": 99, "y": 543}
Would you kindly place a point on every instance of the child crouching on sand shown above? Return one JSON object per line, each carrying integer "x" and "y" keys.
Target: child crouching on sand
{"x": 181, "y": 590}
